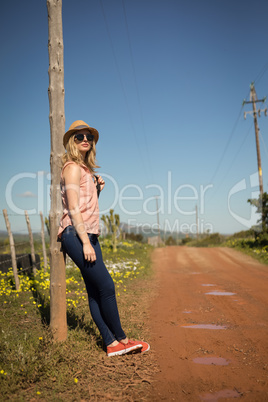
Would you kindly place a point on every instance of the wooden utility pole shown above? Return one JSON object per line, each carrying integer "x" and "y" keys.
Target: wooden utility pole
{"x": 31, "y": 242}
{"x": 12, "y": 250}
{"x": 253, "y": 101}
{"x": 159, "y": 237}
{"x": 58, "y": 319}
{"x": 197, "y": 229}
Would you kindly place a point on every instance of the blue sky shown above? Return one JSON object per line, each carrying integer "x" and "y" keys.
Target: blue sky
{"x": 163, "y": 81}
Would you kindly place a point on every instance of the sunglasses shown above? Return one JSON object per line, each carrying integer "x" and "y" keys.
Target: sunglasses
{"x": 80, "y": 137}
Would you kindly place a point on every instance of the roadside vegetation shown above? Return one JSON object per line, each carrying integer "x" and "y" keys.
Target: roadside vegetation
{"x": 251, "y": 242}
{"x": 33, "y": 367}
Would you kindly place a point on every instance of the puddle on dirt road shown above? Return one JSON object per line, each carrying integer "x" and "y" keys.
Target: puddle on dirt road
{"x": 186, "y": 312}
{"x": 211, "y": 361}
{"x": 204, "y": 326}
{"x": 219, "y": 293}
{"x": 208, "y": 284}
{"x": 195, "y": 273}
{"x": 225, "y": 393}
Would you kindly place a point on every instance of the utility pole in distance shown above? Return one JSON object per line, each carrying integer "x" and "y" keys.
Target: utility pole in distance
{"x": 253, "y": 101}
{"x": 196, "y": 217}
{"x": 159, "y": 238}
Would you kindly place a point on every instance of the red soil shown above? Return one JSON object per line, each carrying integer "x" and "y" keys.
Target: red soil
{"x": 181, "y": 300}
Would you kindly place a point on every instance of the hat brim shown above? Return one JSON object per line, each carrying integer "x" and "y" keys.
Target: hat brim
{"x": 69, "y": 133}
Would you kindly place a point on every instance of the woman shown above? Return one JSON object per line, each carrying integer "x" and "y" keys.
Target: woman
{"x": 79, "y": 231}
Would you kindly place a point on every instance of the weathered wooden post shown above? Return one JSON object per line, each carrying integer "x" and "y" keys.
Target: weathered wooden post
{"x": 12, "y": 250}
{"x": 31, "y": 241}
{"x": 43, "y": 241}
{"x": 58, "y": 319}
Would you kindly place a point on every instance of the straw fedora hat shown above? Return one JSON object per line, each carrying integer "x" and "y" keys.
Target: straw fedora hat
{"x": 76, "y": 126}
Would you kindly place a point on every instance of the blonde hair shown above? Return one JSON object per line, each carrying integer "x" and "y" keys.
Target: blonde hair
{"x": 72, "y": 154}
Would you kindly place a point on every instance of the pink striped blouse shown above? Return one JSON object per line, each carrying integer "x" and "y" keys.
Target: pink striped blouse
{"x": 88, "y": 202}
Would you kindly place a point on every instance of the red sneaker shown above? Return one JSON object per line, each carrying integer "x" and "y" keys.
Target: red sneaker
{"x": 145, "y": 346}
{"x": 132, "y": 345}
{"x": 122, "y": 348}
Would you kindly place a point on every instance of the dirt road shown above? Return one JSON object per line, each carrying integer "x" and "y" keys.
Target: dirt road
{"x": 209, "y": 346}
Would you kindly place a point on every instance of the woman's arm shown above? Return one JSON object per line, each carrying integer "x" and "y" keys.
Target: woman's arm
{"x": 71, "y": 175}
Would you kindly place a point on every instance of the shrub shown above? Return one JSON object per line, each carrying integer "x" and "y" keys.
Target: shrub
{"x": 136, "y": 237}
{"x": 214, "y": 239}
{"x": 186, "y": 240}
{"x": 170, "y": 241}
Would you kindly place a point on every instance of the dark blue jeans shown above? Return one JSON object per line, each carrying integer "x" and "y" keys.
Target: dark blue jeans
{"x": 99, "y": 285}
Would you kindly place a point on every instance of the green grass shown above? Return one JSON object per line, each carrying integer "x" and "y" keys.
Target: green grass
{"x": 212, "y": 240}
{"x": 33, "y": 366}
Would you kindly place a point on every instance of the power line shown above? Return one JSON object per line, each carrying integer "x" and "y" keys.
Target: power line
{"x": 259, "y": 76}
{"x": 245, "y": 138}
{"x": 261, "y": 73}
{"x": 264, "y": 145}
{"x": 233, "y": 160}
{"x": 137, "y": 88}
{"x": 226, "y": 146}
{"x": 122, "y": 85}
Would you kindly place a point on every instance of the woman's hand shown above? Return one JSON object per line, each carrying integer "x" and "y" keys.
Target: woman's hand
{"x": 89, "y": 252}
{"x": 101, "y": 182}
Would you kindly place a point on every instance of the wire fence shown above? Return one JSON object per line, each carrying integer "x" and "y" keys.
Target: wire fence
{"x": 24, "y": 262}
{"x": 27, "y": 260}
